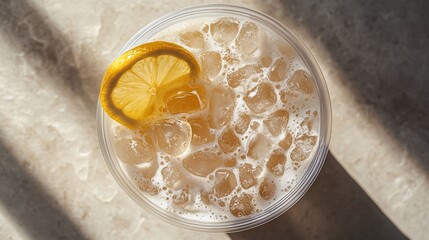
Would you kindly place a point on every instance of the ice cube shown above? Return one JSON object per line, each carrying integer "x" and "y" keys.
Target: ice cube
{"x": 298, "y": 154}
{"x": 242, "y": 74}
{"x": 228, "y": 141}
{"x": 182, "y": 198}
{"x": 230, "y": 57}
{"x": 172, "y": 176}
{"x": 205, "y": 197}
{"x": 211, "y": 63}
{"x": 242, "y": 123}
{"x": 258, "y": 170}
{"x": 205, "y": 28}
{"x": 241, "y": 205}
{"x": 200, "y": 131}
{"x": 224, "y": 30}
{"x": 277, "y": 122}
{"x": 148, "y": 169}
{"x": 225, "y": 182}
{"x": 286, "y": 50}
{"x": 186, "y": 99}
{"x": 260, "y": 98}
{"x": 230, "y": 162}
{"x": 247, "y": 40}
{"x": 279, "y": 70}
{"x": 306, "y": 142}
{"x": 306, "y": 125}
{"x": 221, "y": 203}
{"x": 301, "y": 82}
{"x": 147, "y": 186}
{"x": 221, "y": 107}
{"x": 202, "y": 163}
{"x": 266, "y": 61}
{"x": 193, "y": 39}
{"x": 173, "y": 135}
{"x": 259, "y": 147}
{"x": 276, "y": 163}
{"x": 286, "y": 141}
{"x": 186, "y": 103}
{"x": 286, "y": 95}
{"x": 247, "y": 176}
{"x": 267, "y": 189}
{"x": 135, "y": 150}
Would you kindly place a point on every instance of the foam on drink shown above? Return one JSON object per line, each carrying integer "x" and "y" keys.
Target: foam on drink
{"x": 232, "y": 144}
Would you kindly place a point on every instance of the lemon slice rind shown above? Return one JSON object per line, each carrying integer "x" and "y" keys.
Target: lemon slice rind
{"x": 124, "y": 99}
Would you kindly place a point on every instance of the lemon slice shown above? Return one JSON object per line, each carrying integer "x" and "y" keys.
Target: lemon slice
{"x": 134, "y": 84}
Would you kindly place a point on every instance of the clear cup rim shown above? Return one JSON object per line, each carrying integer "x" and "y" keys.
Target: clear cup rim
{"x": 281, "y": 205}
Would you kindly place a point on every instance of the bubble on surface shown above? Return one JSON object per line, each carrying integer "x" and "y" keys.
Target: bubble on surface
{"x": 254, "y": 125}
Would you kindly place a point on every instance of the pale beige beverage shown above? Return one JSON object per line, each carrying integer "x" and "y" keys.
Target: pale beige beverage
{"x": 234, "y": 142}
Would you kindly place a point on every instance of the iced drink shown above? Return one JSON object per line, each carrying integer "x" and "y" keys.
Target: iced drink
{"x": 234, "y": 141}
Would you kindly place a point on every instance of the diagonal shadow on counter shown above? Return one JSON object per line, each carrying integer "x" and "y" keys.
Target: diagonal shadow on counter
{"x": 29, "y": 203}
{"x": 335, "y": 207}
{"x": 46, "y": 49}
{"x": 381, "y": 48}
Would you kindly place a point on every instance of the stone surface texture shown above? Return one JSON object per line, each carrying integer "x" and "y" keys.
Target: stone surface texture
{"x": 54, "y": 183}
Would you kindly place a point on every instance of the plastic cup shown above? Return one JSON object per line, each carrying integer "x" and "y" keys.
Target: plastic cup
{"x": 282, "y": 204}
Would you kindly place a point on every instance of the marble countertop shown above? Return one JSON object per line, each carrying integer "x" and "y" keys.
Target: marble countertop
{"x": 54, "y": 183}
